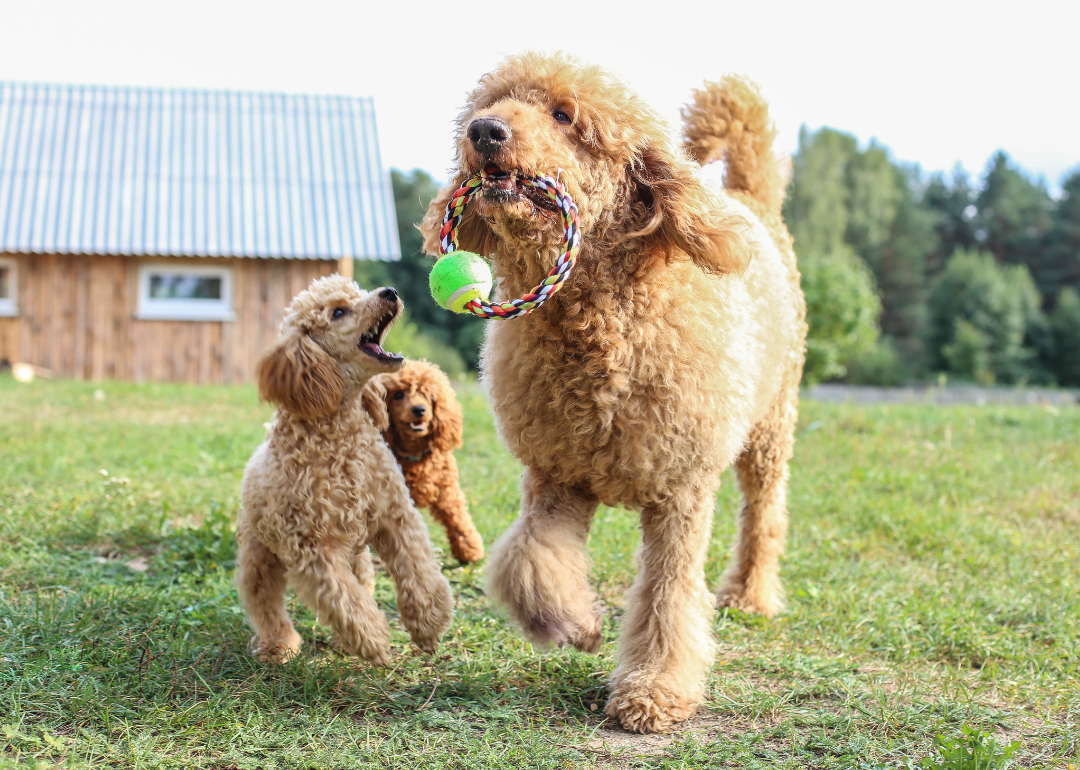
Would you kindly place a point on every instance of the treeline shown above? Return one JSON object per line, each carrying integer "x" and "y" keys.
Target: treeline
{"x": 907, "y": 275}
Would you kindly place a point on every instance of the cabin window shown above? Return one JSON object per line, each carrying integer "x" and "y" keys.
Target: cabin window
{"x": 9, "y": 269}
{"x": 180, "y": 293}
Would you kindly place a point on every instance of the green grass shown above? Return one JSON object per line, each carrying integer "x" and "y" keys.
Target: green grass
{"x": 933, "y": 577}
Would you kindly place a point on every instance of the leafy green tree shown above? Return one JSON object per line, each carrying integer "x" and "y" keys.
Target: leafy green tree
{"x": 816, "y": 206}
{"x": 1065, "y": 328}
{"x": 842, "y": 310}
{"x": 978, "y": 317}
{"x": 842, "y": 197}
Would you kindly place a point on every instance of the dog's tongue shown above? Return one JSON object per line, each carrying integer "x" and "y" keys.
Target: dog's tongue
{"x": 373, "y": 347}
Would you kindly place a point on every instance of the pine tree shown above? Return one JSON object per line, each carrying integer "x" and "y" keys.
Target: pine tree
{"x": 1014, "y": 215}
{"x": 1060, "y": 264}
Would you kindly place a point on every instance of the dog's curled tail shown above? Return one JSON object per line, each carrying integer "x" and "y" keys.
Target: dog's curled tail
{"x": 730, "y": 120}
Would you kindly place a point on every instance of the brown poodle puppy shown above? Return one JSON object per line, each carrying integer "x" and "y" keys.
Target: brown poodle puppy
{"x": 425, "y": 428}
{"x": 674, "y": 350}
{"x": 324, "y": 485}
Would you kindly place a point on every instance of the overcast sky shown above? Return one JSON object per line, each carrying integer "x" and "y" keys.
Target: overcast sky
{"x": 939, "y": 83}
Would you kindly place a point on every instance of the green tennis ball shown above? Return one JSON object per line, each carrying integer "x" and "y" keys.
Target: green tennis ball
{"x": 459, "y": 278}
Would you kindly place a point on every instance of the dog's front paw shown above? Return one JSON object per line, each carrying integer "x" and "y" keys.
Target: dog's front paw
{"x": 427, "y": 616}
{"x": 373, "y": 645}
{"x": 651, "y": 708}
{"x": 375, "y": 653}
{"x": 276, "y": 650}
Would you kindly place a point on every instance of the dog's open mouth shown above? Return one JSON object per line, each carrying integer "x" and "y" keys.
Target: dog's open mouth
{"x": 418, "y": 426}
{"x": 510, "y": 185}
{"x": 371, "y": 340}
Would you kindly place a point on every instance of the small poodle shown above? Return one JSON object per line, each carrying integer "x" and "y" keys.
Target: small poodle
{"x": 425, "y": 426}
{"x": 324, "y": 485}
{"x": 674, "y": 350}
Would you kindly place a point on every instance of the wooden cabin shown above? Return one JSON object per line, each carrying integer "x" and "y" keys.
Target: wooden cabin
{"x": 157, "y": 235}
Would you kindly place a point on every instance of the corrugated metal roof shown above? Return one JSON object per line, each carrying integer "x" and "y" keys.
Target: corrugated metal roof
{"x": 101, "y": 170}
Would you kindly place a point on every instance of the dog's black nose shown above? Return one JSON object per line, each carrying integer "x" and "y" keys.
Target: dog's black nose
{"x": 389, "y": 294}
{"x": 488, "y": 134}
{"x": 419, "y": 410}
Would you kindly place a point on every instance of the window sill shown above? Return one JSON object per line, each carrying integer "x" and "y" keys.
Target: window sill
{"x": 179, "y": 315}
{"x": 8, "y": 310}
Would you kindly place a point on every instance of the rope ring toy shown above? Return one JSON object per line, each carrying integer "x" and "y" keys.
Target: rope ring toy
{"x": 448, "y": 234}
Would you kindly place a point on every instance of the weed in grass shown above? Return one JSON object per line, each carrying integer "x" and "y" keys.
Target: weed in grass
{"x": 974, "y": 750}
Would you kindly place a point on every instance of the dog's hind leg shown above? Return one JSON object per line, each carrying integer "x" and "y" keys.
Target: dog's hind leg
{"x": 260, "y": 584}
{"x": 450, "y": 509}
{"x": 539, "y": 570}
{"x": 324, "y": 580}
{"x": 666, "y": 644}
{"x": 752, "y": 582}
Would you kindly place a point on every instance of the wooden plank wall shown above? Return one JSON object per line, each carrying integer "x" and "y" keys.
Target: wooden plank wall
{"x": 76, "y": 318}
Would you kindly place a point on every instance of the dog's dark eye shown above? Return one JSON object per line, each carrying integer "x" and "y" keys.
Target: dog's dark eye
{"x": 338, "y": 312}
{"x": 399, "y": 395}
{"x": 561, "y": 116}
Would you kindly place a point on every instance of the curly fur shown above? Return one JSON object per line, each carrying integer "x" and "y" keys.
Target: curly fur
{"x": 424, "y": 427}
{"x": 324, "y": 485}
{"x": 674, "y": 351}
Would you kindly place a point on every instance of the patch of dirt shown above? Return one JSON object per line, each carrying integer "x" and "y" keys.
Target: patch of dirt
{"x": 614, "y": 747}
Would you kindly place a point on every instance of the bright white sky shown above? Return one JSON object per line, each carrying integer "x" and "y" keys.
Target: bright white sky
{"x": 938, "y": 82}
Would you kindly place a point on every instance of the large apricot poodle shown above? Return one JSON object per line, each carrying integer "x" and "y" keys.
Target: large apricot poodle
{"x": 674, "y": 350}
{"x": 425, "y": 428}
{"x": 324, "y": 485}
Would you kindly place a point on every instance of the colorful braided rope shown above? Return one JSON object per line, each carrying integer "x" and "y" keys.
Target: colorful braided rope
{"x": 455, "y": 210}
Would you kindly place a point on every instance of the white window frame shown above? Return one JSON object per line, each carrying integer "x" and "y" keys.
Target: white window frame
{"x": 154, "y": 309}
{"x": 9, "y": 306}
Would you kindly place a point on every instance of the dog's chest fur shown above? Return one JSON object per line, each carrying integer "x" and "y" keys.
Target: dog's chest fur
{"x": 329, "y": 479}
{"x": 625, "y": 388}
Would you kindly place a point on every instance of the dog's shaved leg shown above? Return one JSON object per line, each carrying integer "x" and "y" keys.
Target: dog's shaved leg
{"x": 260, "y": 584}
{"x": 324, "y": 580}
{"x": 666, "y": 644}
{"x": 539, "y": 569}
{"x": 752, "y": 582}
{"x": 452, "y": 512}
{"x": 423, "y": 594}
{"x": 365, "y": 573}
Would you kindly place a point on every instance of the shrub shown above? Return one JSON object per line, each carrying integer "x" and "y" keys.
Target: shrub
{"x": 980, "y": 315}
{"x": 842, "y": 310}
{"x": 1065, "y": 330}
{"x": 881, "y": 365}
{"x": 969, "y": 353}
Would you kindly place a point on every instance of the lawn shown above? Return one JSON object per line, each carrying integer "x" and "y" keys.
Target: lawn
{"x": 932, "y": 572}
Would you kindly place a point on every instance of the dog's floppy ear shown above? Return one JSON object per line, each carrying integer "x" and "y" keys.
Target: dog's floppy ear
{"x": 373, "y": 399}
{"x": 446, "y": 416}
{"x": 473, "y": 232}
{"x": 300, "y": 377}
{"x": 682, "y": 215}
